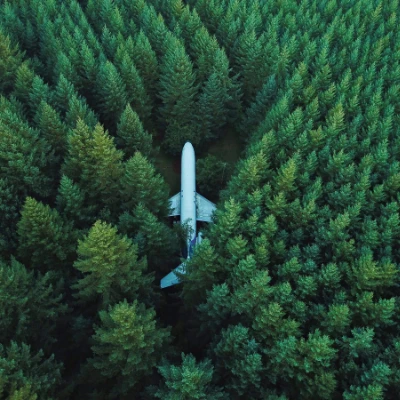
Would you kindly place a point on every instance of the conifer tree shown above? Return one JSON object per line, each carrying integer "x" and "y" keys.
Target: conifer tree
{"x": 145, "y": 60}
{"x": 131, "y": 136}
{"x": 177, "y": 94}
{"x": 154, "y": 238}
{"x": 23, "y": 83}
{"x": 10, "y": 60}
{"x": 45, "y": 241}
{"x": 111, "y": 268}
{"x": 190, "y": 380}
{"x": 141, "y": 184}
{"x": 24, "y": 155}
{"x": 72, "y": 203}
{"x": 111, "y": 93}
{"x": 136, "y": 94}
{"x": 26, "y": 374}
{"x": 214, "y": 100}
{"x": 127, "y": 345}
{"x": 51, "y": 127}
{"x": 27, "y": 302}
{"x": 94, "y": 164}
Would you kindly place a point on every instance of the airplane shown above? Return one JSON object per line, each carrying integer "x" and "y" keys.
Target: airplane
{"x": 191, "y": 206}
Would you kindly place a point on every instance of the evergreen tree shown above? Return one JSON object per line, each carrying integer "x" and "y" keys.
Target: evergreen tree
{"x": 72, "y": 203}
{"x": 190, "y": 380}
{"x": 212, "y": 175}
{"x": 27, "y": 375}
{"x": 23, "y": 83}
{"x": 94, "y": 164}
{"x": 51, "y": 127}
{"x": 131, "y": 136}
{"x": 127, "y": 345}
{"x": 24, "y": 155}
{"x": 27, "y": 302}
{"x": 111, "y": 93}
{"x": 177, "y": 94}
{"x": 11, "y": 59}
{"x": 154, "y": 238}
{"x": 145, "y": 60}
{"x": 110, "y": 266}
{"x": 214, "y": 100}
{"x": 135, "y": 89}
{"x": 141, "y": 184}
{"x": 45, "y": 241}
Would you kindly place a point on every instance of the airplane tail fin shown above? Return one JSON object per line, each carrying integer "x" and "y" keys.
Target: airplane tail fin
{"x": 172, "y": 278}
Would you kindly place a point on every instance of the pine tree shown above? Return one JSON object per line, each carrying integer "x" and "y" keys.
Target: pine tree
{"x": 111, "y": 93}
{"x": 27, "y": 302}
{"x": 131, "y": 136}
{"x": 45, "y": 241}
{"x": 141, "y": 184}
{"x": 127, "y": 345}
{"x": 190, "y": 380}
{"x": 154, "y": 238}
{"x": 177, "y": 94}
{"x": 145, "y": 60}
{"x": 10, "y": 61}
{"x": 214, "y": 100}
{"x": 27, "y": 375}
{"x": 135, "y": 89}
{"x": 24, "y": 155}
{"x": 23, "y": 83}
{"x": 94, "y": 164}
{"x": 110, "y": 266}
{"x": 72, "y": 203}
{"x": 51, "y": 127}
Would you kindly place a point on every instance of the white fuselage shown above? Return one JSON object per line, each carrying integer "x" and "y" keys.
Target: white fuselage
{"x": 188, "y": 194}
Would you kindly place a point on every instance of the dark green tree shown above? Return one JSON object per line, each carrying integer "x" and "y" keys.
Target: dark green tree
{"x": 110, "y": 266}
{"x": 131, "y": 136}
{"x": 128, "y": 344}
{"x": 46, "y": 242}
{"x": 31, "y": 305}
{"x": 178, "y": 93}
{"x": 26, "y": 375}
{"x": 94, "y": 164}
{"x": 10, "y": 61}
{"x": 111, "y": 93}
{"x": 142, "y": 184}
{"x": 190, "y": 380}
{"x": 212, "y": 174}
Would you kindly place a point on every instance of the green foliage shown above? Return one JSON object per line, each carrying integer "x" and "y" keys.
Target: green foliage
{"x": 110, "y": 266}
{"x": 131, "y": 136}
{"x": 127, "y": 345}
{"x": 30, "y": 305}
{"x": 94, "y": 163}
{"x": 111, "y": 93}
{"x": 25, "y": 375}
{"x": 212, "y": 175}
{"x": 294, "y": 291}
{"x": 142, "y": 184}
{"x": 190, "y": 380}
{"x": 46, "y": 242}
{"x": 177, "y": 93}
{"x": 11, "y": 59}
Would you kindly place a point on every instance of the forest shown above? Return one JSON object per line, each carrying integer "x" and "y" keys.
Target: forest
{"x": 294, "y": 292}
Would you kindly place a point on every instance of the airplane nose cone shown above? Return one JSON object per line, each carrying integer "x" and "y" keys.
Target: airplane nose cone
{"x": 188, "y": 145}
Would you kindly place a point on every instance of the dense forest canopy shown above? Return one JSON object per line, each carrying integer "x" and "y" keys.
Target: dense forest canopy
{"x": 295, "y": 291}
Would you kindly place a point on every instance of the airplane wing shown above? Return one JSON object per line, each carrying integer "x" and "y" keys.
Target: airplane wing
{"x": 172, "y": 278}
{"x": 205, "y": 208}
{"x": 175, "y": 204}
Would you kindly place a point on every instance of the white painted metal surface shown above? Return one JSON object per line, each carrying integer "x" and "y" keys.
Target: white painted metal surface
{"x": 188, "y": 191}
{"x": 191, "y": 206}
